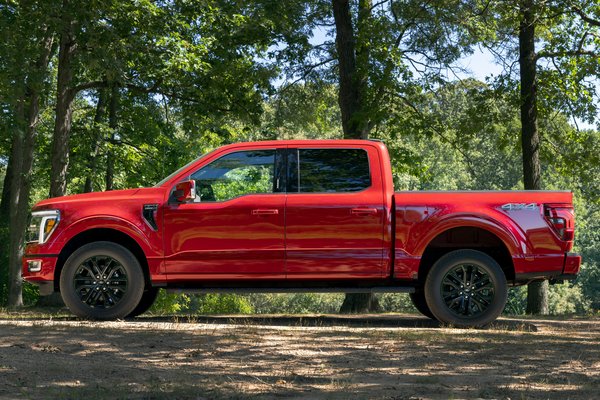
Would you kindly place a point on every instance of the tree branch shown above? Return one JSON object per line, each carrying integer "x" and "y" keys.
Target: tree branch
{"x": 438, "y": 132}
{"x": 307, "y": 71}
{"x": 104, "y": 84}
{"x": 585, "y": 17}
{"x": 374, "y": 6}
{"x": 87, "y": 85}
{"x": 568, "y": 53}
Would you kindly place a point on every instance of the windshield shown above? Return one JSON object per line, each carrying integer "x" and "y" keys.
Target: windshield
{"x": 180, "y": 169}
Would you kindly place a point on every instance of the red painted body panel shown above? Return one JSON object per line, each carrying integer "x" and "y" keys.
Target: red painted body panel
{"x": 533, "y": 245}
{"x": 329, "y": 237}
{"x": 224, "y": 238}
{"x": 119, "y": 210}
{"x": 311, "y": 236}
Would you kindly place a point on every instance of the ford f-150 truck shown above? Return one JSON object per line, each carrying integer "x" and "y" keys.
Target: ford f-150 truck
{"x": 288, "y": 216}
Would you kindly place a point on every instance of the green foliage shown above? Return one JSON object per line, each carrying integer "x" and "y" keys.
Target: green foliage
{"x": 564, "y": 298}
{"x": 396, "y": 303}
{"x": 566, "y": 54}
{"x": 269, "y": 303}
{"x": 170, "y": 303}
{"x": 303, "y": 110}
{"x": 31, "y": 294}
{"x": 220, "y": 304}
{"x": 567, "y": 299}
{"x": 296, "y": 303}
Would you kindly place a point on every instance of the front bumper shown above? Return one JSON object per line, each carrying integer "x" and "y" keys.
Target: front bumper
{"x": 39, "y": 270}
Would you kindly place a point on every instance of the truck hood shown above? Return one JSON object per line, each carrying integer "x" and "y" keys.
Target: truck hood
{"x": 144, "y": 194}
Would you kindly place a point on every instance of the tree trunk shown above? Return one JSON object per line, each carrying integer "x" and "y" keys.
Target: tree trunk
{"x": 4, "y": 203}
{"x": 16, "y": 227}
{"x": 100, "y": 110}
{"x": 349, "y": 97}
{"x": 352, "y": 81}
{"x": 4, "y": 223}
{"x": 64, "y": 100}
{"x": 359, "y": 303}
{"x": 112, "y": 124}
{"x": 537, "y": 292}
{"x": 22, "y": 166}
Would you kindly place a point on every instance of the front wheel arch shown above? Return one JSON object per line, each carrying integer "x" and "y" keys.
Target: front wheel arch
{"x": 97, "y": 235}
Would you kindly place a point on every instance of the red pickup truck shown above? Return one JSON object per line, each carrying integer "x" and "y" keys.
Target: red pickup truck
{"x": 288, "y": 216}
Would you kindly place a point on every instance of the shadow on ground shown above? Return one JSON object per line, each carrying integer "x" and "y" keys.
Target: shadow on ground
{"x": 313, "y": 357}
{"x": 364, "y": 321}
{"x": 350, "y": 320}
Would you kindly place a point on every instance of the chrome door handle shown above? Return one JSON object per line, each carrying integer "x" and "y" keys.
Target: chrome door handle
{"x": 363, "y": 211}
{"x": 273, "y": 211}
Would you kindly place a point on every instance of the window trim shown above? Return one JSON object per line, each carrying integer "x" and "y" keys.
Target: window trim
{"x": 296, "y": 150}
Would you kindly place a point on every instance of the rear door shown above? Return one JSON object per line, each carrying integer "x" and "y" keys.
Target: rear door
{"x": 334, "y": 213}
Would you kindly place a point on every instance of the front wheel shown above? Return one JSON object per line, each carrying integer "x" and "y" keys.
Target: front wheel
{"x": 102, "y": 280}
{"x": 145, "y": 303}
{"x": 418, "y": 300}
{"x": 466, "y": 288}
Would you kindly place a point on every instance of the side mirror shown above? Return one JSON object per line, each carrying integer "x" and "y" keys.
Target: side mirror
{"x": 185, "y": 191}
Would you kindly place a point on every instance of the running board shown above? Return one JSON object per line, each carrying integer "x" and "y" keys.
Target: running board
{"x": 248, "y": 290}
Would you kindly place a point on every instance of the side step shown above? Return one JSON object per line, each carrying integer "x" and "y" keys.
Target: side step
{"x": 248, "y": 290}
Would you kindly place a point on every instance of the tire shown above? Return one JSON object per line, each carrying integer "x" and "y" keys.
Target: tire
{"x": 449, "y": 293}
{"x": 145, "y": 303}
{"x": 418, "y": 300}
{"x": 102, "y": 280}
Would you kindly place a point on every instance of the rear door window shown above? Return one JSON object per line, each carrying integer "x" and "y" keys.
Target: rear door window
{"x": 328, "y": 170}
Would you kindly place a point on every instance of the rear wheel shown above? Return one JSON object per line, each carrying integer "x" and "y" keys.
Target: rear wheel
{"x": 420, "y": 303}
{"x": 145, "y": 303}
{"x": 466, "y": 288}
{"x": 102, "y": 280}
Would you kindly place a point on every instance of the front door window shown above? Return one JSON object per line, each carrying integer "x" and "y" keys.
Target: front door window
{"x": 236, "y": 174}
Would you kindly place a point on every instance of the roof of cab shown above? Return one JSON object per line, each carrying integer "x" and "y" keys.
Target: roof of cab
{"x": 307, "y": 142}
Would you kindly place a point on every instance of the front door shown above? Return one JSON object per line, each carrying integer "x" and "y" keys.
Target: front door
{"x": 334, "y": 214}
{"x": 236, "y": 229}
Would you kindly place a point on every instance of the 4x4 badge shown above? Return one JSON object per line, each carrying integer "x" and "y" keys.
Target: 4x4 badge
{"x": 519, "y": 206}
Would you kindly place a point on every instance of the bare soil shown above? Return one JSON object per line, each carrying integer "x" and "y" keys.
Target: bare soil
{"x": 311, "y": 357}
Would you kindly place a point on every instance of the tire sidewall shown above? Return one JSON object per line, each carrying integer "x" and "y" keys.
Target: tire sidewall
{"x": 443, "y": 266}
{"x": 135, "y": 284}
{"x": 420, "y": 303}
{"x": 148, "y": 298}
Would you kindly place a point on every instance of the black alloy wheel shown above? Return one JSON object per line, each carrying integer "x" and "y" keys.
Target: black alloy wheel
{"x": 466, "y": 288}
{"x": 102, "y": 280}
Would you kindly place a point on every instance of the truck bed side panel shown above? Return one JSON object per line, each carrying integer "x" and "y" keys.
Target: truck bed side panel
{"x": 516, "y": 218}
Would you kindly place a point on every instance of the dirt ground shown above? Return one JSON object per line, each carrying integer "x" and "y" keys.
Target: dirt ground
{"x": 310, "y": 357}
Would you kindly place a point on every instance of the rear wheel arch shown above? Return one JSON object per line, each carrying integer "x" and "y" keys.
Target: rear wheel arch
{"x": 102, "y": 235}
{"x": 467, "y": 238}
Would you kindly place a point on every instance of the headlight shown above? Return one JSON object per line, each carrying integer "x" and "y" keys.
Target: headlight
{"x": 41, "y": 225}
